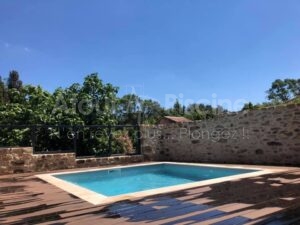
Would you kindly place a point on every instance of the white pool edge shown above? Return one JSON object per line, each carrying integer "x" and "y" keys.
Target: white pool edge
{"x": 97, "y": 199}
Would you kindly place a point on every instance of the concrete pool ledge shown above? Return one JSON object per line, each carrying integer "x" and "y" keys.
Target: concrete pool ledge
{"x": 98, "y": 199}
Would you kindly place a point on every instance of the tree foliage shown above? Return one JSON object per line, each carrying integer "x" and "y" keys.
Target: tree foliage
{"x": 14, "y": 81}
{"x": 177, "y": 110}
{"x": 249, "y": 106}
{"x": 203, "y": 112}
{"x": 281, "y": 92}
{"x": 128, "y": 109}
{"x": 284, "y": 90}
{"x": 86, "y": 104}
{"x": 151, "y": 111}
{"x": 2, "y": 91}
{"x": 131, "y": 109}
{"x": 96, "y": 103}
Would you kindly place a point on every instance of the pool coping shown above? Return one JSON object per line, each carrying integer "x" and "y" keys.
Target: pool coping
{"x": 98, "y": 199}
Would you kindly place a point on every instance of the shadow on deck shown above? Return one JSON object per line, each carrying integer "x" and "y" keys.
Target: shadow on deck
{"x": 269, "y": 199}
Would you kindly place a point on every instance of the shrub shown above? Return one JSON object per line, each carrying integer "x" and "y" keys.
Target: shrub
{"x": 122, "y": 142}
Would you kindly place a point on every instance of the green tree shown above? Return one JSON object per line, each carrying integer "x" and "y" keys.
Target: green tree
{"x": 65, "y": 103}
{"x": 177, "y": 109}
{"x": 2, "y": 91}
{"x": 249, "y": 106}
{"x": 200, "y": 111}
{"x": 203, "y": 112}
{"x": 284, "y": 90}
{"x": 29, "y": 106}
{"x": 92, "y": 103}
{"x": 96, "y": 101}
{"x": 129, "y": 109}
{"x": 32, "y": 105}
{"x": 14, "y": 81}
{"x": 152, "y": 112}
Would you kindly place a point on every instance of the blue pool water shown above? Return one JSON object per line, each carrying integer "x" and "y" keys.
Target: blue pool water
{"x": 112, "y": 182}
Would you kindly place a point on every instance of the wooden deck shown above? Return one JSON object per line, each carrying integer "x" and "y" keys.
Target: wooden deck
{"x": 269, "y": 199}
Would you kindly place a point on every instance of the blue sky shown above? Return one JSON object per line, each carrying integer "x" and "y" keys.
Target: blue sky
{"x": 190, "y": 49}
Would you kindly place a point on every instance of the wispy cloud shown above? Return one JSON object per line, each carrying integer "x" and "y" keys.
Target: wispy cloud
{"x": 26, "y": 49}
{"x": 15, "y": 48}
{"x": 6, "y": 45}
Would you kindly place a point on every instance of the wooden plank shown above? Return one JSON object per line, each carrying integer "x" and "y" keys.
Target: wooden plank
{"x": 243, "y": 201}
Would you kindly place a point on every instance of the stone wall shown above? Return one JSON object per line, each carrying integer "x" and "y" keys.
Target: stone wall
{"x": 112, "y": 160}
{"x": 266, "y": 136}
{"x": 48, "y": 162}
{"x": 15, "y": 160}
{"x": 22, "y": 160}
{"x": 152, "y": 143}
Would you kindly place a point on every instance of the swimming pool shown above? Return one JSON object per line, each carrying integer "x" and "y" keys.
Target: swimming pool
{"x": 113, "y": 182}
{"x": 108, "y": 185}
